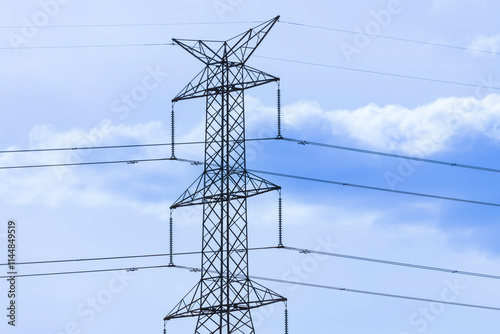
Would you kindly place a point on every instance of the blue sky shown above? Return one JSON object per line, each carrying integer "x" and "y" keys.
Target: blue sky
{"x": 74, "y": 97}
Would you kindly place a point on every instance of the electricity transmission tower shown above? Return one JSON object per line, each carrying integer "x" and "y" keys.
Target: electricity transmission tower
{"x": 224, "y": 296}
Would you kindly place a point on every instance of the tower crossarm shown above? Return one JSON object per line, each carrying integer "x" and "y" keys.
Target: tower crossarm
{"x": 241, "y": 77}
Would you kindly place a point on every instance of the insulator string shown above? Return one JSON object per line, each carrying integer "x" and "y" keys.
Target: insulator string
{"x": 279, "y": 111}
{"x": 173, "y": 131}
{"x": 286, "y": 318}
{"x": 171, "y": 241}
{"x": 280, "y": 220}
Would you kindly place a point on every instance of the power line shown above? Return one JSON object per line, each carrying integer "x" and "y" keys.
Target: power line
{"x": 391, "y": 155}
{"x": 100, "y": 258}
{"x": 83, "y": 46}
{"x": 372, "y": 293}
{"x": 391, "y": 38}
{"x": 57, "y": 273}
{"x": 263, "y": 57}
{"x": 128, "y": 25}
{"x": 252, "y": 22}
{"x": 121, "y": 257}
{"x": 114, "y": 146}
{"x": 92, "y": 147}
{"x": 270, "y": 58}
{"x": 298, "y": 141}
{"x": 304, "y": 178}
{"x": 310, "y": 285}
{"x": 301, "y": 250}
{"x": 393, "y": 263}
{"x": 378, "y": 72}
{"x": 130, "y": 162}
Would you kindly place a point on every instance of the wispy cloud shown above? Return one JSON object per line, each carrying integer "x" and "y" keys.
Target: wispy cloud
{"x": 423, "y": 130}
{"x": 487, "y": 43}
{"x": 59, "y": 186}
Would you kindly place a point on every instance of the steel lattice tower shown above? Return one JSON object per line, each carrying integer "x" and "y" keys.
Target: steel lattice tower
{"x": 224, "y": 296}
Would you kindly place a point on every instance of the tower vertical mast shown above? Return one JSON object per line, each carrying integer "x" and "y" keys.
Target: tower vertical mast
{"x": 224, "y": 296}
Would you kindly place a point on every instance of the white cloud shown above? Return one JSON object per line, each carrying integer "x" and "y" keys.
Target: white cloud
{"x": 45, "y": 135}
{"x": 58, "y": 186}
{"x": 423, "y": 130}
{"x": 487, "y": 43}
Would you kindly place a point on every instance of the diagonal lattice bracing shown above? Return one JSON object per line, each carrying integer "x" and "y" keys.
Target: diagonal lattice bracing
{"x": 235, "y": 50}
{"x": 255, "y": 185}
{"x": 191, "y": 304}
{"x": 224, "y": 296}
